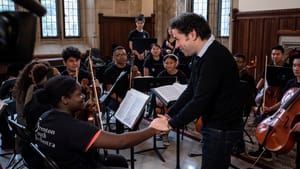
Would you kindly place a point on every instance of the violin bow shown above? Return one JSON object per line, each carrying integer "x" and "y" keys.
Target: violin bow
{"x": 255, "y": 60}
{"x": 95, "y": 90}
{"x": 265, "y": 82}
{"x": 76, "y": 74}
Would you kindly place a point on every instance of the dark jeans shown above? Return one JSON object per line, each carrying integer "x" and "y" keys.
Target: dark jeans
{"x": 217, "y": 147}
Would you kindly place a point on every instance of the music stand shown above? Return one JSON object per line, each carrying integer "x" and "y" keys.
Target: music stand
{"x": 141, "y": 45}
{"x": 144, "y": 84}
{"x": 104, "y": 98}
{"x": 278, "y": 76}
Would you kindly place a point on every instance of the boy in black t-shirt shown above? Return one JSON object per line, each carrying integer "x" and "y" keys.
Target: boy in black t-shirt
{"x": 109, "y": 78}
{"x": 138, "y": 33}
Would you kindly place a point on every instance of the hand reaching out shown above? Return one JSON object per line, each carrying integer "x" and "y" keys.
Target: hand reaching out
{"x": 160, "y": 123}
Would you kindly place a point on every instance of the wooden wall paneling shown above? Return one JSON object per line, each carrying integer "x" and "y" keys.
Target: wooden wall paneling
{"x": 287, "y": 23}
{"x": 242, "y": 37}
{"x": 265, "y": 28}
{"x": 255, "y": 42}
{"x": 297, "y": 23}
{"x": 114, "y": 31}
{"x": 269, "y": 40}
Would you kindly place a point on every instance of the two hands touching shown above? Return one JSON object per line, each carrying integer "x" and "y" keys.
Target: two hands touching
{"x": 161, "y": 124}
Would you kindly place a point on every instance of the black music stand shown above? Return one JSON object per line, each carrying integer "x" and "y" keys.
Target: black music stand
{"x": 142, "y": 44}
{"x": 105, "y": 97}
{"x": 144, "y": 84}
{"x": 130, "y": 113}
{"x": 278, "y": 76}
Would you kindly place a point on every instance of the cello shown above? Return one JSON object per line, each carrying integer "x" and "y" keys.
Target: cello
{"x": 268, "y": 95}
{"x": 276, "y": 133}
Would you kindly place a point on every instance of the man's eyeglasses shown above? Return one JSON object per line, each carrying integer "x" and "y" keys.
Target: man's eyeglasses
{"x": 119, "y": 55}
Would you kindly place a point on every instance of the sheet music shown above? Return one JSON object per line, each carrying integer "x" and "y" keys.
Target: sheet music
{"x": 169, "y": 93}
{"x": 131, "y": 107}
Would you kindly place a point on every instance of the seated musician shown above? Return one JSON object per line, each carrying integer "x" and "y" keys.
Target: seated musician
{"x": 273, "y": 108}
{"x": 74, "y": 68}
{"x": 152, "y": 66}
{"x": 110, "y": 76}
{"x": 170, "y": 62}
{"x": 296, "y": 83}
{"x": 6, "y": 93}
{"x": 40, "y": 74}
{"x": 243, "y": 72}
{"x": 72, "y": 61}
{"x": 249, "y": 93}
{"x": 72, "y": 143}
{"x": 153, "y": 62}
{"x": 277, "y": 56}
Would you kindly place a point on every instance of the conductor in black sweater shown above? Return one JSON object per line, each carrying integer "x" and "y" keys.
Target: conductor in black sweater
{"x": 212, "y": 93}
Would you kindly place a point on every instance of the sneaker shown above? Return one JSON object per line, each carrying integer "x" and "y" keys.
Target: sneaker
{"x": 166, "y": 141}
{"x": 267, "y": 155}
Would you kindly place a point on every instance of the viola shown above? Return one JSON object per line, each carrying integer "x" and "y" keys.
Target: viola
{"x": 276, "y": 133}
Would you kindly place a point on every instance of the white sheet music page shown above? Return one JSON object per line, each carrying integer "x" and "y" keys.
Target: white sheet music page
{"x": 131, "y": 107}
{"x": 169, "y": 93}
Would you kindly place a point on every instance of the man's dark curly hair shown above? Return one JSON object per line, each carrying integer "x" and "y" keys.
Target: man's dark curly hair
{"x": 187, "y": 22}
{"x": 71, "y": 52}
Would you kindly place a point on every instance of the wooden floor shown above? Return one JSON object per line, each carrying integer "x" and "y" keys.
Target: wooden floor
{"x": 150, "y": 160}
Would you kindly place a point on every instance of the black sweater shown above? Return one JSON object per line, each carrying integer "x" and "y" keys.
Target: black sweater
{"x": 211, "y": 93}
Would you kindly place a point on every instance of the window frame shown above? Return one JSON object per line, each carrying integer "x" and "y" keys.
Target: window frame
{"x": 79, "y": 21}
{"x": 61, "y": 22}
{"x": 15, "y": 6}
{"x": 57, "y": 21}
{"x": 207, "y": 7}
{"x": 219, "y": 24}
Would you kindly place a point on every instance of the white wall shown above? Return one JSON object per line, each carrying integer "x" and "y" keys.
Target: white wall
{"x": 262, "y": 5}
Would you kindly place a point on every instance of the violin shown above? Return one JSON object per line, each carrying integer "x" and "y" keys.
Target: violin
{"x": 276, "y": 133}
{"x": 251, "y": 65}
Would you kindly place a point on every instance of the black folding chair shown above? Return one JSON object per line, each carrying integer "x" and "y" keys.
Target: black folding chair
{"x": 7, "y": 112}
{"x": 18, "y": 131}
{"x": 48, "y": 163}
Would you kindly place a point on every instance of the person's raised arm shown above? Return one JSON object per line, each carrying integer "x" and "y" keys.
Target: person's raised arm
{"x": 126, "y": 140}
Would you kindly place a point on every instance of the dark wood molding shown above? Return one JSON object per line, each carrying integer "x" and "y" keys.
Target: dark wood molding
{"x": 53, "y": 59}
{"x": 288, "y": 33}
{"x": 264, "y": 14}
